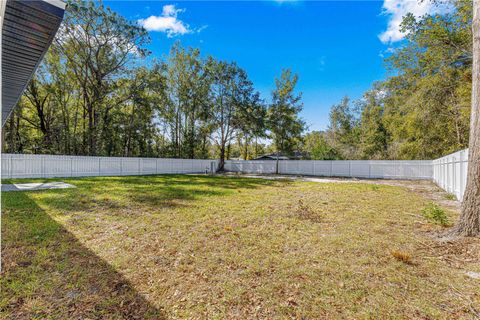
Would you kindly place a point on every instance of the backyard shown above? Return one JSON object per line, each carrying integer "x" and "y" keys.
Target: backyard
{"x": 216, "y": 247}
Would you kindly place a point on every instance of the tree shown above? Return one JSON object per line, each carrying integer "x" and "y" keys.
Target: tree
{"x": 284, "y": 123}
{"x": 469, "y": 223}
{"x": 427, "y": 102}
{"x": 317, "y": 147}
{"x": 422, "y": 110}
{"x": 186, "y": 111}
{"x": 373, "y": 133}
{"x": 73, "y": 103}
{"x": 98, "y": 44}
{"x": 343, "y": 129}
{"x": 90, "y": 96}
{"x": 133, "y": 129}
{"x": 251, "y": 123}
{"x": 232, "y": 96}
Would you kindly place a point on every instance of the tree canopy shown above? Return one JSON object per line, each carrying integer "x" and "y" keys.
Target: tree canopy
{"x": 422, "y": 110}
{"x": 95, "y": 95}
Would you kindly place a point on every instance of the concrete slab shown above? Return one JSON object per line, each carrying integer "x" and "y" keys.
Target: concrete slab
{"x": 36, "y": 186}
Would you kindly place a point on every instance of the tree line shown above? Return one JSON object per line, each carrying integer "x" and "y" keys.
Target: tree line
{"x": 97, "y": 93}
{"x": 100, "y": 92}
{"x": 422, "y": 110}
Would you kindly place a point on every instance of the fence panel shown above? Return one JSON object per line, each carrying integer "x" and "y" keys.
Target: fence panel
{"x": 261, "y": 166}
{"x": 323, "y": 168}
{"x": 450, "y": 172}
{"x": 49, "y": 166}
{"x": 148, "y": 166}
{"x": 338, "y": 168}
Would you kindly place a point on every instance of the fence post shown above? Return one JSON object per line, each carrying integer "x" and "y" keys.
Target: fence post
{"x": 42, "y": 166}
{"x": 24, "y": 165}
{"x": 445, "y": 174}
{"x": 454, "y": 184}
{"x": 460, "y": 189}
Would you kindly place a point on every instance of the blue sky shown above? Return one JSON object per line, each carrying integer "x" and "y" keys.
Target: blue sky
{"x": 336, "y": 47}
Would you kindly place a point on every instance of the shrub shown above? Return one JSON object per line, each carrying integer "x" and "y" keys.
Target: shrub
{"x": 450, "y": 196}
{"x": 436, "y": 214}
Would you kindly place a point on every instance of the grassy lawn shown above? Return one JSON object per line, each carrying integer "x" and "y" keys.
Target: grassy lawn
{"x": 174, "y": 247}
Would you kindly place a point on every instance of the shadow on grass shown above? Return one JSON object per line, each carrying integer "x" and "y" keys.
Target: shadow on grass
{"x": 48, "y": 273}
{"x": 195, "y": 180}
{"x": 165, "y": 190}
{"x": 156, "y": 191}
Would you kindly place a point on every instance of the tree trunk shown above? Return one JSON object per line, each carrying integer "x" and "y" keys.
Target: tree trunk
{"x": 222, "y": 157}
{"x": 469, "y": 223}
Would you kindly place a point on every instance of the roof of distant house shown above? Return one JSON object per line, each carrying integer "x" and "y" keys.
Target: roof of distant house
{"x": 272, "y": 156}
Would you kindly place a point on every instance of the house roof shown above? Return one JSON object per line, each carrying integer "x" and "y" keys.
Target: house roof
{"x": 28, "y": 28}
{"x": 272, "y": 157}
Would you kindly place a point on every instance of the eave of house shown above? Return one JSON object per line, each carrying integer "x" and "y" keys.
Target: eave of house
{"x": 28, "y": 28}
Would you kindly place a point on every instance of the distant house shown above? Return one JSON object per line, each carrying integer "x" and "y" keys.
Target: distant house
{"x": 272, "y": 156}
{"x": 297, "y": 155}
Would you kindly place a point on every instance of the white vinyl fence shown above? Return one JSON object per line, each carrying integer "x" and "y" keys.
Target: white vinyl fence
{"x": 450, "y": 173}
{"x": 49, "y": 166}
{"x": 251, "y": 166}
{"x": 378, "y": 169}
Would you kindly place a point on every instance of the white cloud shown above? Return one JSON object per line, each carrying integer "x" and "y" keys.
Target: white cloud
{"x": 170, "y": 10}
{"x": 167, "y": 22}
{"x": 397, "y": 9}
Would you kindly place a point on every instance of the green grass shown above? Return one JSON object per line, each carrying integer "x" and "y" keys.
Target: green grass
{"x": 436, "y": 214}
{"x": 175, "y": 247}
{"x": 450, "y": 196}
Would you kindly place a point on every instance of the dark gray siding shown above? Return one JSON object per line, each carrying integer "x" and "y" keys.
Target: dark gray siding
{"x": 28, "y": 30}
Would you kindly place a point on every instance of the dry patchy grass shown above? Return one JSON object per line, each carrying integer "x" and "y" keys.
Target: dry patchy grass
{"x": 402, "y": 256}
{"x": 175, "y": 247}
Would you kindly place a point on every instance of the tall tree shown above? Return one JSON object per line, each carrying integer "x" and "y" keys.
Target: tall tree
{"x": 231, "y": 96}
{"x": 343, "y": 130}
{"x": 469, "y": 223}
{"x": 374, "y": 135}
{"x": 251, "y": 123}
{"x": 284, "y": 122}
{"x": 91, "y": 97}
{"x": 427, "y": 101}
{"x": 98, "y": 44}
{"x": 187, "y": 100}
{"x": 422, "y": 110}
{"x": 317, "y": 148}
